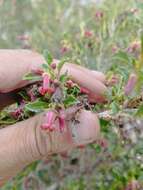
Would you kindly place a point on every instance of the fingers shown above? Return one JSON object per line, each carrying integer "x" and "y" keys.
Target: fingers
{"x": 86, "y": 78}
{"x": 98, "y": 75}
{"x": 14, "y": 64}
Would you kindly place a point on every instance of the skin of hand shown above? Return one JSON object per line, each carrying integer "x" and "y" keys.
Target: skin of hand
{"x": 25, "y": 142}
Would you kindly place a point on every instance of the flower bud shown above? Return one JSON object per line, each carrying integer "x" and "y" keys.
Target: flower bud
{"x": 70, "y": 83}
{"x": 53, "y": 65}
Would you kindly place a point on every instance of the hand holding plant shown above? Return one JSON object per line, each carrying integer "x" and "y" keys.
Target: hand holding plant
{"x": 60, "y": 122}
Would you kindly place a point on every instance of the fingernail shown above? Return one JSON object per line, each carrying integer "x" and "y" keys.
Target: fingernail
{"x": 86, "y": 129}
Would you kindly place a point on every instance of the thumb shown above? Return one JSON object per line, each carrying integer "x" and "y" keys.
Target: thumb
{"x": 85, "y": 129}
{"x": 25, "y": 142}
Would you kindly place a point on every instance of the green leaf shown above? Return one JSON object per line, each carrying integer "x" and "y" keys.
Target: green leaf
{"x": 140, "y": 111}
{"x": 32, "y": 76}
{"x": 45, "y": 66}
{"x": 8, "y": 121}
{"x": 70, "y": 100}
{"x": 63, "y": 77}
{"x": 48, "y": 57}
{"x": 122, "y": 56}
{"x": 96, "y": 147}
{"x": 114, "y": 107}
{"x": 23, "y": 95}
{"x": 36, "y": 106}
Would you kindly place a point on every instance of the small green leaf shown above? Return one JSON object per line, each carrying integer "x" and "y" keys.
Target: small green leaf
{"x": 23, "y": 95}
{"x": 45, "y": 66}
{"x": 140, "y": 111}
{"x": 48, "y": 57}
{"x": 32, "y": 76}
{"x": 70, "y": 100}
{"x": 36, "y": 106}
{"x": 63, "y": 78}
{"x": 75, "y": 90}
{"x": 114, "y": 107}
{"x": 122, "y": 56}
{"x": 96, "y": 147}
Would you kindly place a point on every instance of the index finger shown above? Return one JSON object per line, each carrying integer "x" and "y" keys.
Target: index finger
{"x": 14, "y": 64}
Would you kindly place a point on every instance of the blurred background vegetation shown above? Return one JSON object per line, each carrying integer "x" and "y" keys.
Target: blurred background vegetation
{"x": 99, "y": 34}
{"x": 85, "y": 30}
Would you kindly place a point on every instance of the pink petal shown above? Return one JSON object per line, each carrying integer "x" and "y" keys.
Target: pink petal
{"x": 46, "y": 81}
{"x": 48, "y": 127}
{"x": 130, "y": 84}
{"x": 50, "y": 117}
{"x": 62, "y": 122}
{"x": 42, "y": 90}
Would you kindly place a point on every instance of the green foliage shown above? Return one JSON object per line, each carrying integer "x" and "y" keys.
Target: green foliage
{"x": 32, "y": 76}
{"x": 48, "y": 57}
{"x": 36, "y": 106}
{"x": 70, "y": 100}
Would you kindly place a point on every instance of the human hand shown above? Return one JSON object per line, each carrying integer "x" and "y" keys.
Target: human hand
{"x": 25, "y": 142}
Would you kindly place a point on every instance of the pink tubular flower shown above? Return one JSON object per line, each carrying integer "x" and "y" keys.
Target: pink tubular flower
{"x": 46, "y": 83}
{"x": 129, "y": 87}
{"x": 62, "y": 122}
{"x": 88, "y": 33}
{"x": 99, "y": 15}
{"x": 49, "y": 119}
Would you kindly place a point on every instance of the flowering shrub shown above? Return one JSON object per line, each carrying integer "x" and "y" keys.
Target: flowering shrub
{"x": 108, "y": 37}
